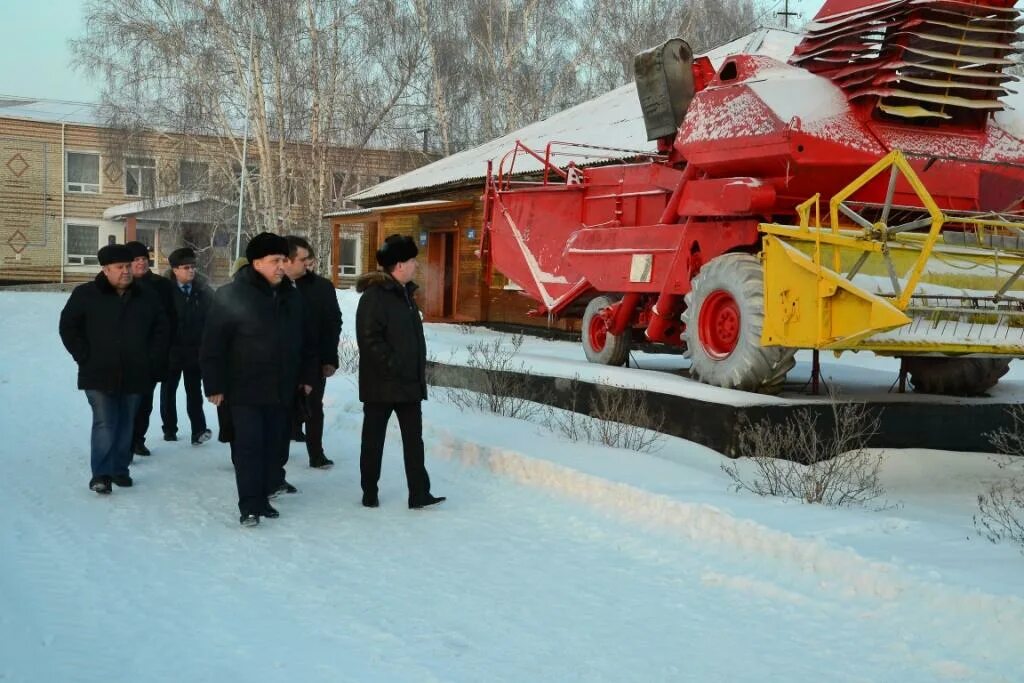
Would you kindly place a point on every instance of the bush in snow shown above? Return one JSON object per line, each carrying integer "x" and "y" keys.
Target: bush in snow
{"x": 1001, "y": 508}
{"x": 1009, "y": 440}
{"x": 614, "y": 419}
{"x": 795, "y": 459}
{"x": 348, "y": 357}
{"x": 1001, "y": 512}
{"x": 502, "y": 385}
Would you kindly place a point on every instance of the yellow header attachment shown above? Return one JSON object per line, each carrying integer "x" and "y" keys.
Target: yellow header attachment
{"x": 934, "y": 282}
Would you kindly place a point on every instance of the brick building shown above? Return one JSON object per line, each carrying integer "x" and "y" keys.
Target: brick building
{"x": 64, "y": 192}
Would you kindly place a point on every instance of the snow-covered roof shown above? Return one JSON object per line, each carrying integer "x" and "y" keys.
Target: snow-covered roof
{"x": 613, "y": 121}
{"x": 51, "y": 111}
{"x": 428, "y": 204}
{"x": 189, "y": 206}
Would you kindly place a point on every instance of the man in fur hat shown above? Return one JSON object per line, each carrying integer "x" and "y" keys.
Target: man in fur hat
{"x": 118, "y": 334}
{"x": 392, "y": 369}
{"x": 257, "y": 349}
{"x": 322, "y": 304}
{"x": 164, "y": 291}
{"x": 192, "y": 300}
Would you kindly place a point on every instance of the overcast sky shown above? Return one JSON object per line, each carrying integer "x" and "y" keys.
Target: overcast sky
{"x": 35, "y": 60}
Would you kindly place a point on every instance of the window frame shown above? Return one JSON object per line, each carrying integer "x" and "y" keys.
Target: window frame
{"x": 193, "y": 162}
{"x": 83, "y": 188}
{"x": 356, "y": 267}
{"x": 127, "y": 170}
{"x": 89, "y": 259}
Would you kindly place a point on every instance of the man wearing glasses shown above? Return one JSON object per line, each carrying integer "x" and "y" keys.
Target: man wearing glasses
{"x": 192, "y": 299}
{"x": 322, "y": 304}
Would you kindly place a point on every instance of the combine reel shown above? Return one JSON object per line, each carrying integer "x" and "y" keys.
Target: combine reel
{"x": 932, "y": 287}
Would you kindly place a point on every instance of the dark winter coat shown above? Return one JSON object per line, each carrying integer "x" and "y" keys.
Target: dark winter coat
{"x": 392, "y": 350}
{"x": 258, "y": 344}
{"x": 322, "y": 304}
{"x": 120, "y": 342}
{"x": 190, "y": 316}
{"x": 164, "y": 290}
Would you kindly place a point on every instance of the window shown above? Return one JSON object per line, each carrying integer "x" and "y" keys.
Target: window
{"x": 83, "y": 172}
{"x": 252, "y": 180}
{"x": 292, "y": 182}
{"x": 351, "y": 251}
{"x": 81, "y": 245}
{"x": 147, "y": 236}
{"x": 139, "y": 176}
{"x": 193, "y": 175}
{"x": 349, "y": 184}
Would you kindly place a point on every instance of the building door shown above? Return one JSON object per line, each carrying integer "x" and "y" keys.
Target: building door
{"x": 440, "y": 275}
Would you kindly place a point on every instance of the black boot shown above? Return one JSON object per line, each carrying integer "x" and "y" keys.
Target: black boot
{"x": 270, "y": 512}
{"x": 320, "y": 462}
{"x": 100, "y": 485}
{"x": 139, "y": 448}
{"x": 249, "y": 520}
{"x": 122, "y": 480}
{"x": 202, "y": 437}
{"x": 371, "y": 500}
{"x": 425, "y": 501}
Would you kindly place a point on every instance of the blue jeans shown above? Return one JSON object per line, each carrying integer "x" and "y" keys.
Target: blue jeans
{"x": 113, "y": 417}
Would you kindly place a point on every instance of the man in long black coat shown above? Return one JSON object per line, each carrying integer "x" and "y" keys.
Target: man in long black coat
{"x": 164, "y": 291}
{"x": 118, "y": 335}
{"x": 257, "y": 350}
{"x": 392, "y": 369}
{"x": 322, "y": 304}
{"x": 192, "y": 300}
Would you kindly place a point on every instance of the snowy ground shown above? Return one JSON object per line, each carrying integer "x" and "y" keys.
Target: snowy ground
{"x": 550, "y": 561}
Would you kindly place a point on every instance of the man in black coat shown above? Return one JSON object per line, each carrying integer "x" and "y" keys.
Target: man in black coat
{"x": 164, "y": 291}
{"x": 322, "y": 304}
{"x": 257, "y": 349}
{"x": 392, "y": 369}
{"x": 118, "y": 335}
{"x": 192, "y": 300}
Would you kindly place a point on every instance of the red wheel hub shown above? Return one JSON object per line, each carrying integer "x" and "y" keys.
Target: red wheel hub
{"x": 597, "y": 333}
{"x": 718, "y": 324}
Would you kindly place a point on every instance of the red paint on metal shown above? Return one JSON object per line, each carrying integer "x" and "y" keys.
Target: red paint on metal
{"x": 718, "y": 324}
{"x": 760, "y": 137}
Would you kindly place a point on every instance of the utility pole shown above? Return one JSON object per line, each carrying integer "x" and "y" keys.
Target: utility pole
{"x": 786, "y": 14}
{"x": 425, "y": 132}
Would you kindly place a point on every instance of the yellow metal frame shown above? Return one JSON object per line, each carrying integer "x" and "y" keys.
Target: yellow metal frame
{"x": 809, "y": 305}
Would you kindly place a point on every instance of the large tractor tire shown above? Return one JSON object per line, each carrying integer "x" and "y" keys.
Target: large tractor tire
{"x": 599, "y": 344}
{"x": 723, "y": 320}
{"x": 954, "y": 376}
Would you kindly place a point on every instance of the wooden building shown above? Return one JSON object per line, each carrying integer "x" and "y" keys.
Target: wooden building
{"x": 65, "y": 191}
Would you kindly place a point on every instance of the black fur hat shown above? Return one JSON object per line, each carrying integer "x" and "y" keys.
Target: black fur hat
{"x": 265, "y": 244}
{"x": 138, "y": 250}
{"x": 114, "y": 253}
{"x": 182, "y": 257}
{"x": 396, "y": 249}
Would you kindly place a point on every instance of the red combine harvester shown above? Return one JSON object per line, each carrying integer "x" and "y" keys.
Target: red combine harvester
{"x": 719, "y": 240}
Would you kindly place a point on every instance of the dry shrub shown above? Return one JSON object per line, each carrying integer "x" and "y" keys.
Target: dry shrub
{"x": 614, "y": 420}
{"x": 1000, "y": 514}
{"x": 502, "y": 385}
{"x": 348, "y": 357}
{"x": 794, "y": 459}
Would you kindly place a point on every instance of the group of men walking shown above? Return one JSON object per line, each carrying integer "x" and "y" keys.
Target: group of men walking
{"x": 261, "y": 348}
